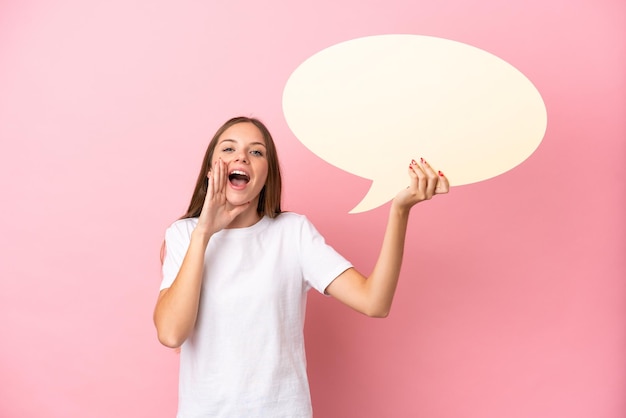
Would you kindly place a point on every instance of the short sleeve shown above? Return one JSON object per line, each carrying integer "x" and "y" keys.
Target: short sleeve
{"x": 177, "y": 238}
{"x": 321, "y": 264}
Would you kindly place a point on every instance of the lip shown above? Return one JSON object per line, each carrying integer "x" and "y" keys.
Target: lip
{"x": 239, "y": 170}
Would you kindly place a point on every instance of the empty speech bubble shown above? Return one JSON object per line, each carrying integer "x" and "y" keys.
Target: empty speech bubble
{"x": 370, "y": 105}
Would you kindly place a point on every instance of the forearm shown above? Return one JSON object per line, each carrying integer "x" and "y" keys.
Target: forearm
{"x": 373, "y": 295}
{"x": 383, "y": 280}
{"x": 177, "y": 307}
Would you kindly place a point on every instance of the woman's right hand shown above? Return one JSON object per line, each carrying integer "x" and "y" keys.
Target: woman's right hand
{"x": 217, "y": 213}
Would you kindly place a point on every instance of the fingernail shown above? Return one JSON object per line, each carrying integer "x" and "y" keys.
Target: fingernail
{"x": 413, "y": 162}
{"x": 421, "y": 159}
{"x": 440, "y": 173}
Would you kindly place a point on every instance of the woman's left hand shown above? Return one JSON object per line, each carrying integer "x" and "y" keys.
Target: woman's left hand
{"x": 425, "y": 183}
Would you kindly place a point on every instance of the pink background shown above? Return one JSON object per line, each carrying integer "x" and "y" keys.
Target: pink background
{"x": 512, "y": 301}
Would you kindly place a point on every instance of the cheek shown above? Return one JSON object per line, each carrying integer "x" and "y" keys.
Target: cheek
{"x": 265, "y": 175}
{"x": 216, "y": 156}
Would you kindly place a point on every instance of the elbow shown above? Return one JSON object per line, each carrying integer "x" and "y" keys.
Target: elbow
{"x": 379, "y": 315}
{"x": 169, "y": 340}
{"x": 169, "y": 335}
{"x": 377, "y": 312}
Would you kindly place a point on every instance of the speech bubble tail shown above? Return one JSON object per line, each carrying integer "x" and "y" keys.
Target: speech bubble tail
{"x": 378, "y": 194}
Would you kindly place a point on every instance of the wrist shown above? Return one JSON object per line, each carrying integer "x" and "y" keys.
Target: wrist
{"x": 201, "y": 236}
{"x": 399, "y": 210}
{"x": 401, "y": 207}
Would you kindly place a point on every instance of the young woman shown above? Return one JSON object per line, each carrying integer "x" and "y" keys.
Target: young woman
{"x": 236, "y": 272}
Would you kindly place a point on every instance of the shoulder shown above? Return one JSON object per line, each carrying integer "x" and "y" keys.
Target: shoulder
{"x": 182, "y": 227}
{"x": 289, "y": 220}
{"x": 294, "y": 225}
{"x": 287, "y": 224}
{"x": 290, "y": 217}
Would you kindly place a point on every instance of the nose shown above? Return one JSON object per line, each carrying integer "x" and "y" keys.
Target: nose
{"x": 241, "y": 157}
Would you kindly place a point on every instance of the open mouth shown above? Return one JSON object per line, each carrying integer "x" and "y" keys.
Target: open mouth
{"x": 238, "y": 178}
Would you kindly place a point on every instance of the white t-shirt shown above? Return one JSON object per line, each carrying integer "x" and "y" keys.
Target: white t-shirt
{"x": 246, "y": 355}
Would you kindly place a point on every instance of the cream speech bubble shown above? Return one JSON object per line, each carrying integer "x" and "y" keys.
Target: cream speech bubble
{"x": 370, "y": 105}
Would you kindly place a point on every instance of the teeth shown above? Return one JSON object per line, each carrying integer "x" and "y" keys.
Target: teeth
{"x": 239, "y": 172}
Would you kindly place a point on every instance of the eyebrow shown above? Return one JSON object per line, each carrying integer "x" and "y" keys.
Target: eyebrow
{"x": 251, "y": 143}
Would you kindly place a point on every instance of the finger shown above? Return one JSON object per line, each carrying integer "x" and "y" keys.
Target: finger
{"x": 419, "y": 181}
{"x": 209, "y": 185}
{"x": 412, "y": 173}
{"x": 432, "y": 178}
{"x": 208, "y": 196}
{"x": 224, "y": 175}
{"x": 443, "y": 185}
{"x": 219, "y": 176}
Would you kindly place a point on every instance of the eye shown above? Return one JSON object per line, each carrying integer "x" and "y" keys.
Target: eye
{"x": 228, "y": 149}
{"x": 256, "y": 153}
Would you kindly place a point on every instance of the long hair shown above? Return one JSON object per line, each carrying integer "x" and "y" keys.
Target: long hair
{"x": 270, "y": 196}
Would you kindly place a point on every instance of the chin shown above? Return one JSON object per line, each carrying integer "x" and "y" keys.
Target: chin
{"x": 238, "y": 199}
